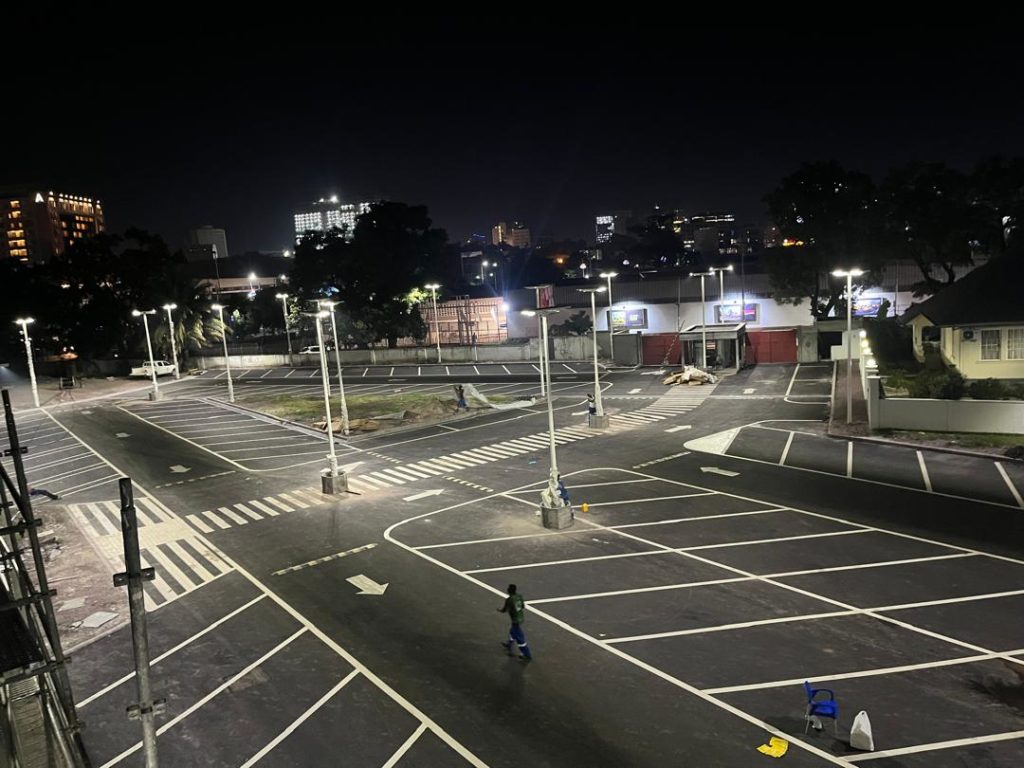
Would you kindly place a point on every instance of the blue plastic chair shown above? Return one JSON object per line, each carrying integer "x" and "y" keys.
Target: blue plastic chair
{"x": 821, "y": 707}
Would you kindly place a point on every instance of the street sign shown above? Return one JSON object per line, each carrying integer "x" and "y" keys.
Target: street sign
{"x": 9, "y": 452}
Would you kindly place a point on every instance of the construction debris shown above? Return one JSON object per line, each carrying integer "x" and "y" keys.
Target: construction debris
{"x": 691, "y": 376}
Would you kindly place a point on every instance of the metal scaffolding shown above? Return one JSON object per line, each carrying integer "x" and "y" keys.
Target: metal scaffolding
{"x": 39, "y": 725}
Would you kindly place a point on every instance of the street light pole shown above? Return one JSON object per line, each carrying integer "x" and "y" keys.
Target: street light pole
{"x": 155, "y": 395}
{"x": 337, "y": 359}
{"x": 849, "y": 274}
{"x": 24, "y": 322}
{"x": 611, "y": 334}
{"x": 287, "y": 333}
{"x": 331, "y": 481}
{"x": 174, "y": 347}
{"x": 227, "y": 360}
{"x": 543, "y": 351}
{"x": 703, "y": 319}
{"x": 437, "y": 323}
{"x": 598, "y": 420}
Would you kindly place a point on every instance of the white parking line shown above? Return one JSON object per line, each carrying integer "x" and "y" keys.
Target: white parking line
{"x": 171, "y": 651}
{"x": 301, "y": 719}
{"x": 219, "y": 689}
{"x": 936, "y": 745}
{"x": 849, "y": 458}
{"x": 1010, "y": 485}
{"x": 785, "y": 451}
{"x": 924, "y": 472}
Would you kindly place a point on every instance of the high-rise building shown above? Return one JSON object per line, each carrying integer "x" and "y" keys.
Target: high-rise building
{"x": 40, "y": 225}
{"x": 324, "y": 215}
{"x": 499, "y": 233}
{"x": 716, "y": 233}
{"x": 518, "y": 236}
{"x": 610, "y": 224}
{"x": 207, "y": 242}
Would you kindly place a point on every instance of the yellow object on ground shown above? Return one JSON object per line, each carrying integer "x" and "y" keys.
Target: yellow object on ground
{"x": 585, "y": 507}
{"x": 775, "y": 747}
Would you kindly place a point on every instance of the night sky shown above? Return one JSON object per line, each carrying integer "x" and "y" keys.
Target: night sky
{"x": 175, "y": 125}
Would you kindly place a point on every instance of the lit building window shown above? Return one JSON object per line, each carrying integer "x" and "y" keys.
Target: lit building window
{"x": 1015, "y": 344}
{"x": 990, "y": 345}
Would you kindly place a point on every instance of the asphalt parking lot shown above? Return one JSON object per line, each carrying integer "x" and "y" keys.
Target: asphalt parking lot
{"x": 426, "y": 371}
{"x": 220, "y": 659}
{"x": 55, "y": 460}
{"x": 992, "y": 481}
{"x": 739, "y": 601}
{"x": 247, "y": 441}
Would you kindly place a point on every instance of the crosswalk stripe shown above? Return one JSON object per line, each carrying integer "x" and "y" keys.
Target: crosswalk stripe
{"x": 463, "y": 456}
{"x": 194, "y": 519}
{"x": 459, "y": 464}
{"x": 409, "y": 471}
{"x": 375, "y": 483}
{"x": 245, "y": 510}
{"x": 264, "y": 508}
{"x": 140, "y": 513}
{"x": 190, "y": 561}
{"x": 391, "y": 475}
{"x": 152, "y": 509}
{"x": 100, "y": 516}
{"x": 171, "y": 569}
{"x": 293, "y": 500}
{"x": 312, "y": 497}
{"x": 231, "y": 515}
{"x": 422, "y": 467}
{"x": 277, "y": 503}
{"x": 160, "y": 584}
{"x": 216, "y": 520}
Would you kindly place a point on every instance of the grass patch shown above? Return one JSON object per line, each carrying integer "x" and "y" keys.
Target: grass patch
{"x": 955, "y": 439}
{"x": 419, "y": 407}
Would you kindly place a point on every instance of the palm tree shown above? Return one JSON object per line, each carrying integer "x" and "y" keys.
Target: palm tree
{"x": 195, "y": 326}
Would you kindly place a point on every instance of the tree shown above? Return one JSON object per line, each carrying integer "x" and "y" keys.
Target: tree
{"x": 930, "y": 217}
{"x": 831, "y": 210}
{"x": 657, "y": 243}
{"x": 195, "y": 326}
{"x": 393, "y": 251}
{"x": 577, "y": 324}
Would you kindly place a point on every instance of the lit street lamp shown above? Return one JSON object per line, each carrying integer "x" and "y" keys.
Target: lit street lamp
{"x": 24, "y": 323}
{"x": 483, "y": 266}
{"x": 227, "y": 360}
{"x": 252, "y": 285}
{"x": 611, "y": 335}
{"x": 721, "y": 281}
{"x": 144, "y": 314}
{"x": 437, "y": 323}
{"x": 556, "y": 513}
{"x": 283, "y": 297}
{"x": 543, "y": 351}
{"x": 598, "y": 420}
{"x": 703, "y": 318}
{"x": 174, "y": 348}
{"x": 331, "y": 481}
{"x": 337, "y": 358}
{"x": 849, "y": 274}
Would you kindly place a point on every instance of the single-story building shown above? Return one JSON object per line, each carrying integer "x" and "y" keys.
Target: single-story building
{"x": 977, "y": 323}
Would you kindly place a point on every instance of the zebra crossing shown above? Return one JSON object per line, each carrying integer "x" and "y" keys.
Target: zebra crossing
{"x": 180, "y": 559}
{"x": 243, "y": 513}
{"x": 676, "y": 402}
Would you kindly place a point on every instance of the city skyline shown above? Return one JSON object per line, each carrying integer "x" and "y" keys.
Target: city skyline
{"x": 570, "y": 138}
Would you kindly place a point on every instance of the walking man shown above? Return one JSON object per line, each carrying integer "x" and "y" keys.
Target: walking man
{"x": 591, "y": 407}
{"x": 460, "y": 398}
{"x": 515, "y": 607}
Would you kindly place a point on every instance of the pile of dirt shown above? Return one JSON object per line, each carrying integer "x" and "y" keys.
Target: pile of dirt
{"x": 690, "y": 376}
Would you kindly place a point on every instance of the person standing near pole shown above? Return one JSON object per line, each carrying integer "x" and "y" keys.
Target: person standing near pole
{"x": 460, "y": 398}
{"x": 515, "y": 607}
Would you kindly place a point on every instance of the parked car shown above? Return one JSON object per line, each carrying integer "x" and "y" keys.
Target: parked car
{"x": 162, "y": 367}
{"x": 315, "y": 350}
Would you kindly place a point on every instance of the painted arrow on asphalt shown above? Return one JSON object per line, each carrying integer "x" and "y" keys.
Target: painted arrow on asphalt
{"x": 178, "y": 469}
{"x": 424, "y": 494}
{"x": 718, "y": 471}
{"x": 366, "y": 585}
{"x": 349, "y": 467}
{"x": 749, "y": 390}
{"x": 683, "y": 426}
{"x": 653, "y": 373}
{"x": 121, "y": 434}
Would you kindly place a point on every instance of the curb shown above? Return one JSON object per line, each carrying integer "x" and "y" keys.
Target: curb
{"x": 919, "y": 447}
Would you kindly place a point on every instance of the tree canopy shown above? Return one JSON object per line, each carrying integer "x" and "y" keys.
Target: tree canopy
{"x": 376, "y": 274}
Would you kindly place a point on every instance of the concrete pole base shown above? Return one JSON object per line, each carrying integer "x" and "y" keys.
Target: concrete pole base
{"x": 556, "y": 517}
{"x": 154, "y": 396}
{"x": 333, "y": 485}
{"x": 598, "y": 422}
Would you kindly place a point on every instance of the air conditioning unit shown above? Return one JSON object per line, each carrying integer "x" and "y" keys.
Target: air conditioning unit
{"x": 968, "y": 335}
